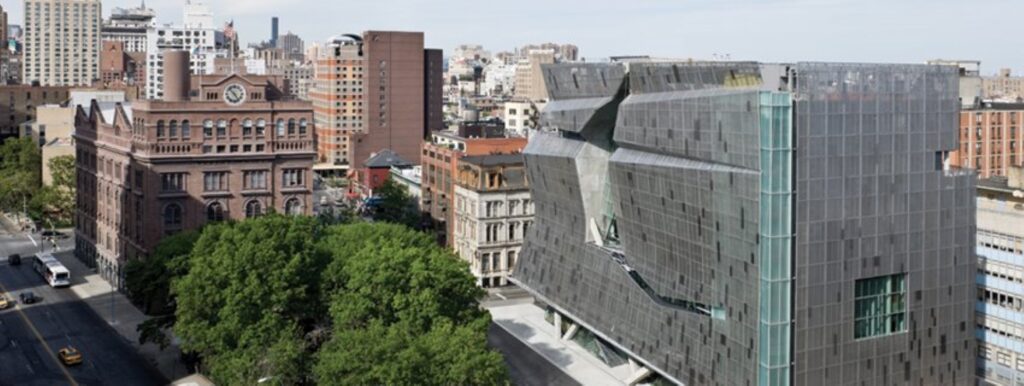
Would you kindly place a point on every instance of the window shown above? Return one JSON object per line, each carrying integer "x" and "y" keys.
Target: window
{"x": 291, "y": 126}
{"x": 485, "y": 260}
{"x": 215, "y": 181}
{"x": 208, "y": 128}
{"x": 512, "y": 226}
{"x": 511, "y": 260}
{"x": 172, "y": 130}
{"x": 880, "y": 306}
{"x": 253, "y": 209}
{"x": 280, "y": 127}
{"x": 302, "y": 126}
{"x": 222, "y": 128}
{"x": 293, "y": 178}
{"x": 293, "y": 207}
{"x": 172, "y": 216}
{"x": 215, "y": 212}
{"x": 261, "y": 126}
{"x": 255, "y": 179}
{"x": 160, "y": 128}
{"x": 247, "y": 127}
{"x": 186, "y": 129}
{"x": 172, "y": 182}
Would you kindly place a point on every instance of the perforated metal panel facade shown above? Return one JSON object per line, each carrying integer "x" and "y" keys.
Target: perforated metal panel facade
{"x": 745, "y": 213}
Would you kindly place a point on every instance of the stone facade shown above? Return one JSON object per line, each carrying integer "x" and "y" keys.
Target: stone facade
{"x": 493, "y": 213}
{"x": 232, "y": 151}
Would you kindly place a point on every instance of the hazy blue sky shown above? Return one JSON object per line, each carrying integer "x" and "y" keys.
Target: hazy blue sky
{"x": 767, "y": 30}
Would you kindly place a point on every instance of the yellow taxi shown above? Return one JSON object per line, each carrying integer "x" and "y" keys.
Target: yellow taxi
{"x": 4, "y": 303}
{"x": 69, "y": 356}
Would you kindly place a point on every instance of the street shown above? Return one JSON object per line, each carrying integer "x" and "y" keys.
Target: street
{"x": 31, "y": 335}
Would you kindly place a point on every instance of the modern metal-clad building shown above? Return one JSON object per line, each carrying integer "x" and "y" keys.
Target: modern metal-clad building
{"x": 753, "y": 224}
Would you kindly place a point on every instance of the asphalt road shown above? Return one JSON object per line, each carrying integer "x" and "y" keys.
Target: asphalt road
{"x": 30, "y": 335}
{"x": 525, "y": 366}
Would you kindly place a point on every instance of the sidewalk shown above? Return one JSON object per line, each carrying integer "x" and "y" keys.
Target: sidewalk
{"x": 526, "y": 322}
{"x": 95, "y": 292}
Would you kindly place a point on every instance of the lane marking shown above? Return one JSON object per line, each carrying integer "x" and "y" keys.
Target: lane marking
{"x": 53, "y": 357}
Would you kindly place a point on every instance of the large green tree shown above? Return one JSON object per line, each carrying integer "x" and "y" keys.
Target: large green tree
{"x": 404, "y": 311}
{"x": 294, "y": 300}
{"x": 20, "y": 173}
{"x": 249, "y": 298}
{"x": 396, "y": 205}
{"x": 148, "y": 284}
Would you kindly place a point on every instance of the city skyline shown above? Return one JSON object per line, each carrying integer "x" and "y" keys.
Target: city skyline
{"x": 932, "y": 32}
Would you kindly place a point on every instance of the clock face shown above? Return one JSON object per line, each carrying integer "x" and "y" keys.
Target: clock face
{"x": 234, "y": 94}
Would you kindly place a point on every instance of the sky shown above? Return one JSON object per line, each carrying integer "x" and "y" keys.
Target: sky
{"x": 904, "y": 31}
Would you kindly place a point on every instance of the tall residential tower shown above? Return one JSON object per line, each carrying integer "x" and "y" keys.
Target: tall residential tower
{"x": 62, "y": 42}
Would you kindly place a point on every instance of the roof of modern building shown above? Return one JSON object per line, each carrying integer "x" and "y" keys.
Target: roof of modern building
{"x": 1013, "y": 181}
{"x": 493, "y": 159}
{"x": 385, "y": 159}
{"x": 996, "y": 105}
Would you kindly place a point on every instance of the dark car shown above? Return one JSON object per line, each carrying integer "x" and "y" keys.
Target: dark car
{"x": 28, "y": 297}
{"x": 14, "y": 259}
{"x": 54, "y": 234}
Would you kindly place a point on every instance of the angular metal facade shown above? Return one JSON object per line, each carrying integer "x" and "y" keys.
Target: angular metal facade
{"x": 678, "y": 218}
{"x": 872, "y": 200}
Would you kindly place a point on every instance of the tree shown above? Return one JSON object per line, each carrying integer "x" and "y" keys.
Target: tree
{"x": 250, "y": 296}
{"x": 396, "y": 205}
{"x": 148, "y": 284}
{"x": 56, "y": 202}
{"x": 20, "y": 173}
{"x": 404, "y": 311}
{"x": 297, "y": 300}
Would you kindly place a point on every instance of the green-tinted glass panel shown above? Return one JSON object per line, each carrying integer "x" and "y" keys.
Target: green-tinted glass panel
{"x": 880, "y": 306}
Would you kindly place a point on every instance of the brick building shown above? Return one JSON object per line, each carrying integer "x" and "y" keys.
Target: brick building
{"x": 120, "y": 67}
{"x": 990, "y": 138}
{"x": 216, "y": 148}
{"x": 18, "y": 104}
{"x": 372, "y": 93}
{"x": 440, "y": 158}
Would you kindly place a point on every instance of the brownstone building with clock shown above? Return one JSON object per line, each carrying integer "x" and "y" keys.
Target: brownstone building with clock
{"x": 216, "y": 148}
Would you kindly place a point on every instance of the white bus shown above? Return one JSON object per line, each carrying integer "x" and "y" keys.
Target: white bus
{"x": 55, "y": 274}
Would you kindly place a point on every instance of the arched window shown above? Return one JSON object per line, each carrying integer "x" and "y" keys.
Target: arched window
{"x": 291, "y": 126}
{"x": 208, "y": 128}
{"x": 222, "y": 128}
{"x": 302, "y": 126}
{"x": 293, "y": 207}
{"x": 186, "y": 129}
{"x": 160, "y": 128}
{"x": 261, "y": 126}
{"x": 214, "y": 212}
{"x": 247, "y": 127}
{"x": 253, "y": 209}
{"x": 172, "y": 130}
{"x": 280, "y": 127}
{"x": 172, "y": 216}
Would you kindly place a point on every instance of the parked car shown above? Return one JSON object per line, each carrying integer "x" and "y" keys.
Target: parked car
{"x": 14, "y": 259}
{"x": 4, "y": 303}
{"x": 69, "y": 356}
{"x": 28, "y": 297}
